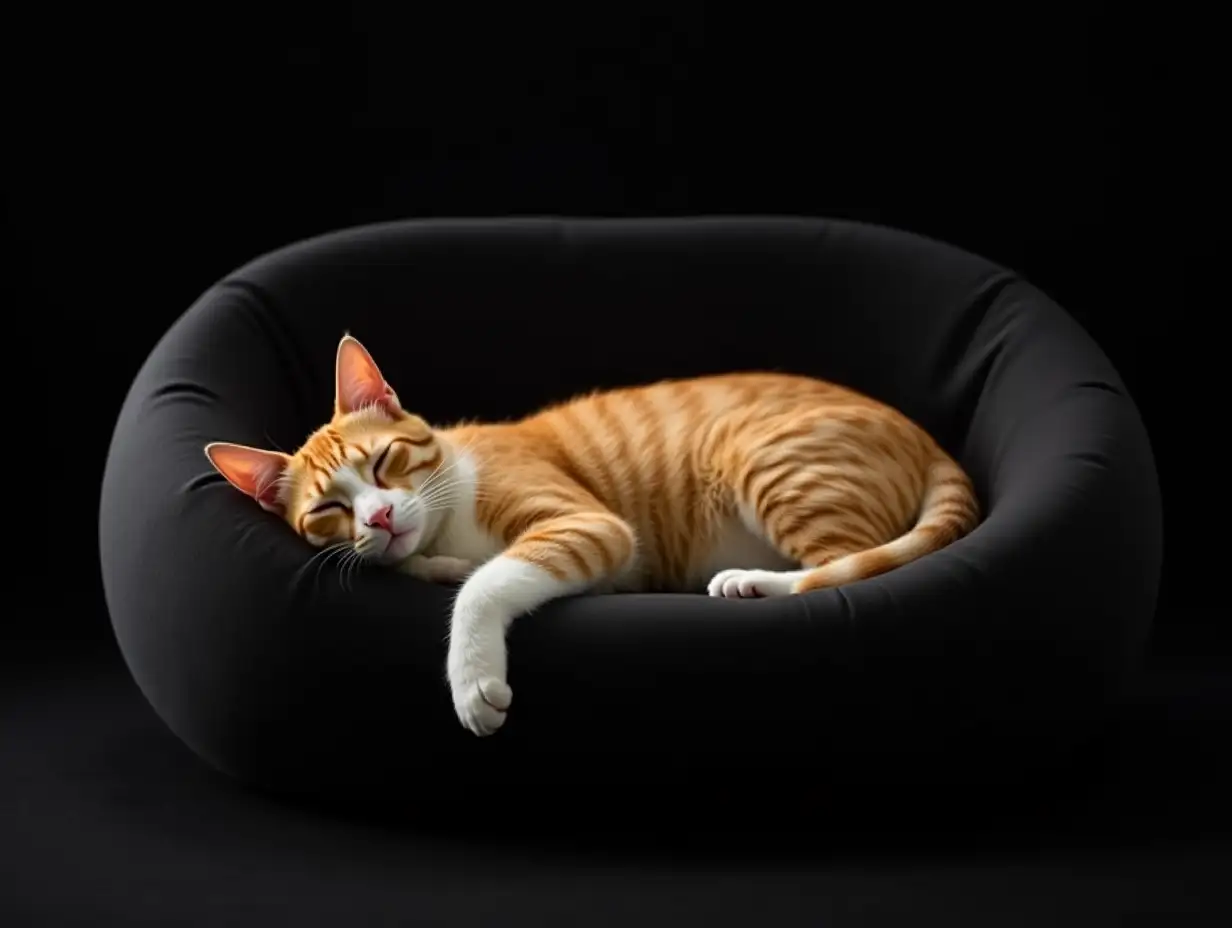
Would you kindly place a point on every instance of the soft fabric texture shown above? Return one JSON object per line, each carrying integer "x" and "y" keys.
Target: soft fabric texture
{"x": 315, "y": 680}
{"x": 108, "y": 822}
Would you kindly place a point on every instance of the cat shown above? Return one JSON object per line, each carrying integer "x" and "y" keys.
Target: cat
{"x": 741, "y": 485}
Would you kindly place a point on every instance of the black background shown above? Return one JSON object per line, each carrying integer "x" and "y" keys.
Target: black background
{"x": 156, "y": 154}
{"x": 148, "y": 154}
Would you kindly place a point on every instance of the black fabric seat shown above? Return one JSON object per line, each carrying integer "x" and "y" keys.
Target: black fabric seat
{"x": 314, "y": 679}
{"x": 108, "y": 820}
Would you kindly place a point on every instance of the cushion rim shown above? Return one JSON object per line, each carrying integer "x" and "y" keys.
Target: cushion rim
{"x": 838, "y": 618}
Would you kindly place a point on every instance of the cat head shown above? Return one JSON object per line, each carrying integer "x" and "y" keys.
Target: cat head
{"x": 357, "y": 479}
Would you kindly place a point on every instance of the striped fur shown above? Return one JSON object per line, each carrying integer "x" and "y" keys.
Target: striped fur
{"x": 830, "y": 479}
{"x": 747, "y": 484}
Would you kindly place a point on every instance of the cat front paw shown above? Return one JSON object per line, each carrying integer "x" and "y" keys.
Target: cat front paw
{"x": 477, "y": 664}
{"x": 439, "y": 569}
{"x": 480, "y": 701}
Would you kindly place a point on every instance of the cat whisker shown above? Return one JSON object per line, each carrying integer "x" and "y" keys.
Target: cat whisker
{"x": 436, "y": 470}
{"x": 320, "y": 558}
{"x": 454, "y": 482}
{"x": 447, "y": 494}
{"x": 440, "y": 507}
{"x": 437, "y": 473}
{"x": 350, "y": 563}
{"x": 346, "y": 555}
{"x": 444, "y": 507}
{"x": 437, "y": 492}
{"x": 452, "y": 490}
{"x": 429, "y": 489}
{"x": 432, "y": 485}
{"x": 342, "y": 562}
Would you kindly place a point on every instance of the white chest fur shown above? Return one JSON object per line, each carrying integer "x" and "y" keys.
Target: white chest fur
{"x": 461, "y": 536}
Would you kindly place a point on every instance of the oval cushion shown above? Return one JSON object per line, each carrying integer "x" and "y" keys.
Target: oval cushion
{"x": 292, "y": 672}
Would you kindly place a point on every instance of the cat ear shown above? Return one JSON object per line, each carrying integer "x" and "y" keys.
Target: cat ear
{"x": 358, "y": 381}
{"x": 252, "y": 471}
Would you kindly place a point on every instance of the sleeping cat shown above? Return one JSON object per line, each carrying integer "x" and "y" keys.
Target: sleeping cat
{"x": 746, "y": 485}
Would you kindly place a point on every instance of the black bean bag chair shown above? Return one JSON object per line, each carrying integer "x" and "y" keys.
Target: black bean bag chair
{"x": 300, "y": 677}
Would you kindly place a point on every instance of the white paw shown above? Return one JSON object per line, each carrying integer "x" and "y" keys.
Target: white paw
{"x": 439, "y": 569}
{"x": 753, "y": 584}
{"x": 476, "y": 668}
{"x": 480, "y": 702}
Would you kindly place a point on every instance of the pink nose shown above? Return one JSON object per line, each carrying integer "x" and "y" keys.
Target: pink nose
{"x": 382, "y": 519}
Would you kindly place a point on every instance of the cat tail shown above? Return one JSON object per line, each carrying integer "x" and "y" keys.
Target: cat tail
{"x": 949, "y": 510}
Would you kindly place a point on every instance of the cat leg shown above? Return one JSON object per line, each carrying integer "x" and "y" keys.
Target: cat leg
{"x": 738, "y": 583}
{"x": 556, "y": 557}
{"x": 826, "y": 538}
{"x": 808, "y": 517}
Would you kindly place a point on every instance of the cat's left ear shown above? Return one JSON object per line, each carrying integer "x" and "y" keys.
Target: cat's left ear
{"x": 252, "y": 471}
{"x": 358, "y": 382}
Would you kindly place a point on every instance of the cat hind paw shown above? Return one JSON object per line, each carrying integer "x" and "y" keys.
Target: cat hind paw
{"x": 738, "y": 583}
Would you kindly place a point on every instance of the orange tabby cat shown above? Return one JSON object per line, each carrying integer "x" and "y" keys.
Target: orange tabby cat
{"x": 748, "y": 484}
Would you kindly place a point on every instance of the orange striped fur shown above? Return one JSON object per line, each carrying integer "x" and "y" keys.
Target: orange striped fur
{"x": 830, "y": 479}
{"x": 746, "y": 484}
{"x": 639, "y": 486}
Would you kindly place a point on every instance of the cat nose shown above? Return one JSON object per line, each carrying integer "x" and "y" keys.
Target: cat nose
{"x": 382, "y": 518}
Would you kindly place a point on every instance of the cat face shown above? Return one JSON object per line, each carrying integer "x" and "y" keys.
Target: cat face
{"x": 359, "y": 480}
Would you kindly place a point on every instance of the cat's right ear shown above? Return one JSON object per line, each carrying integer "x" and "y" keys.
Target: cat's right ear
{"x": 252, "y": 471}
{"x": 359, "y": 383}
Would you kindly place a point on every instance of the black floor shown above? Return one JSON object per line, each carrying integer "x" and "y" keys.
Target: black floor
{"x": 109, "y": 820}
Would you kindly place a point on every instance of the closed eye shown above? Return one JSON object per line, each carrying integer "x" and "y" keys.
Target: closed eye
{"x": 376, "y": 468}
{"x": 327, "y": 507}
{"x": 399, "y": 464}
